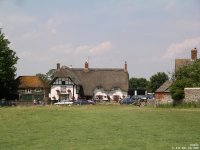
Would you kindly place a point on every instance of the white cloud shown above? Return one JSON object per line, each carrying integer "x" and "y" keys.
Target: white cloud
{"x": 90, "y": 49}
{"x": 16, "y": 19}
{"x": 177, "y": 48}
{"x": 21, "y": 19}
{"x": 101, "y": 48}
{"x": 34, "y": 56}
{"x": 51, "y": 26}
{"x": 62, "y": 48}
{"x": 43, "y": 29}
{"x": 82, "y": 48}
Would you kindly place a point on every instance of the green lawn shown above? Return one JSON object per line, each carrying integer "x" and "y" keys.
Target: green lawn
{"x": 97, "y": 128}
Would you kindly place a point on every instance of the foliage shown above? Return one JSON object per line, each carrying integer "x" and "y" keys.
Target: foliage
{"x": 42, "y": 76}
{"x": 187, "y": 76}
{"x": 190, "y": 72}
{"x": 48, "y": 76}
{"x": 97, "y": 128}
{"x": 157, "y": 80}
{"x": 138, "y": 83}
{"x": 177, "y": 89}
{"x": 8, "y": 60}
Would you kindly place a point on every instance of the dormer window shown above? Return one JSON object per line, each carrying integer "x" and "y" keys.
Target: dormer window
{"x": 99, "y": 87}
{"x": 27, "y": 91}
{"x": 115, "y": 88}
{"x": 37, "y": 90}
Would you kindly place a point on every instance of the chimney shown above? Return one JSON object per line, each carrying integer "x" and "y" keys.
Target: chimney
{"x": 194, "y": 54}
{"x": 58, "y": 66}
{"x": 86, "y": 65}
{"x": 125, "y": 67}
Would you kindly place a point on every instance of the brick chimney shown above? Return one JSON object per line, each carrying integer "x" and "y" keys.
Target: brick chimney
{"x": 125, "y": 67}
{"x": 58, "y": 66}
{"x": 86, "y": 65}
{"x": 194, "y": 54}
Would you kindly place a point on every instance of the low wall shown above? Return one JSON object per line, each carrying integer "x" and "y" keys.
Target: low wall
{"x": 192, "y": 95}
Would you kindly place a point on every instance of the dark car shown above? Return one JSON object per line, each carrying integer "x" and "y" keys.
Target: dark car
{"x": 139, "y": 100}
{"x": 126, "y": 101}
{"x": 84, "y": 102}
{"x": 7, "y": 103}
{"x": 150, "y": 96}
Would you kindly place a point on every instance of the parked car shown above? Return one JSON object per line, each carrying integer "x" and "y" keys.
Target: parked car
{"x": 126, "y": 101}
{"x": 142, "y": 97}
{"x": 84, "y": 102}
{"x": 139, "y": 100}
{"x": 64, "y": 102}
{"x": 150, "y": 96}
{"x": 7, "y": 103}
{"x": 136, "y": 100}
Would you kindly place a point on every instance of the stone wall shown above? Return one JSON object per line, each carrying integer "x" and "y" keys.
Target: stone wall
{"x": 192, "y": 95}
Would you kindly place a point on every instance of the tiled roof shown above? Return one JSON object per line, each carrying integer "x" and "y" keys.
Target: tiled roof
{"x": 31, "y": 82}
{"x": 182, "y": 62}
{"x": 165, "y": 87}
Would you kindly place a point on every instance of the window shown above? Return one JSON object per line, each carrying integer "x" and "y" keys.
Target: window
{"x": 63, "y": 89}
{"x": 27, "y": 91}
{"x": 37, "y": 90}
{"x": 63, "y": 81}
{"x": 115, "y": 88}
{"x": 78, "y": 89}
{"x": 99, "y": 87}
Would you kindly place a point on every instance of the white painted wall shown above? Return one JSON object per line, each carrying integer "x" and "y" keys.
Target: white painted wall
{"x": 111, "y": 93}
{"x": 54, "y": 92}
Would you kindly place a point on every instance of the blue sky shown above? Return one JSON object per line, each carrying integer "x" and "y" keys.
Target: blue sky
{"x": 149, "y": 35}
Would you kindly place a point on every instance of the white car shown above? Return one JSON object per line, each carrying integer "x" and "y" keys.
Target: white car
{"x": 64, "y": 102}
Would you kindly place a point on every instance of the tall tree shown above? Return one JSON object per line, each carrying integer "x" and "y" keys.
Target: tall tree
{"x": 8, "y": 60}
{"x": 157, "y": 80}
{"x": 48, "y": 76}
{"x": 138, "y": 83}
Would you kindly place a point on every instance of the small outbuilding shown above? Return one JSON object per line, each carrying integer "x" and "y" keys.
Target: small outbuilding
{"x": 162, "y": 94}
{"x": 32, "y": 88}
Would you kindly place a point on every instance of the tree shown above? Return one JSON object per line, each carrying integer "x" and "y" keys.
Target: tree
{"x": 8, "y": 60}
{"x": 138, "y": 83}
{"x": 42, "y": 76}
{"x": 186, "y": 76}
{"x": 48, "y": 76}
{"x": 177, "y": 89}
{"x": 157, "y": 80}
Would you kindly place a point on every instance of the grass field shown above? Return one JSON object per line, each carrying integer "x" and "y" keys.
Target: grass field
{"x": 98, "y": 128}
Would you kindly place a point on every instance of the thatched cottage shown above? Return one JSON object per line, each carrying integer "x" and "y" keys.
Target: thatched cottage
{"x": 90, "y": 83}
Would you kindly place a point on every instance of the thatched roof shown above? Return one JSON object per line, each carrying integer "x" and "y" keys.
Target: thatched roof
{"x": 165, "y": 87}
{"x": 31, "y": 82}
{"x": 92, "y": 78}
